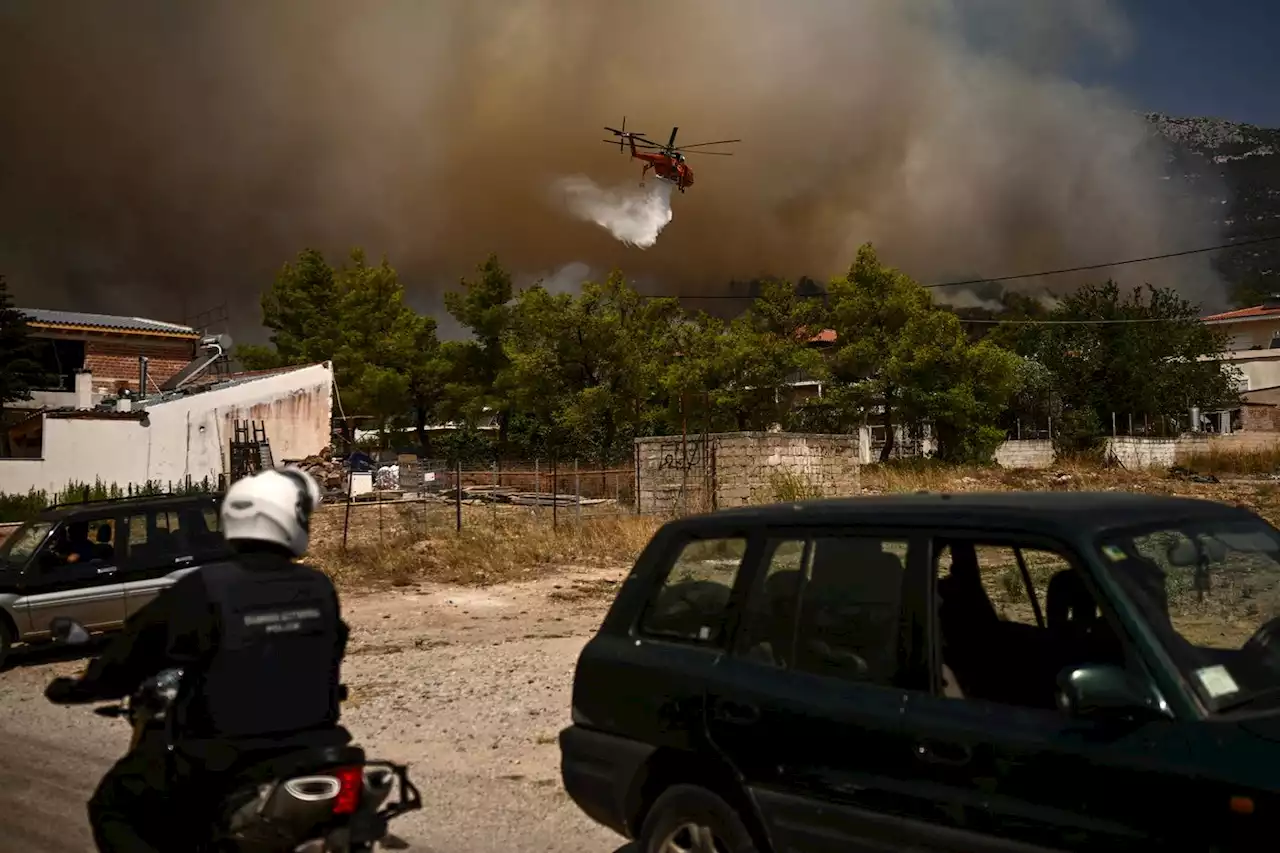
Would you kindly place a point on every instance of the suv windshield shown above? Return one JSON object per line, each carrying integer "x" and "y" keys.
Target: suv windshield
{"x": 1210, "y": 589}
{"x": 23, "y": 542}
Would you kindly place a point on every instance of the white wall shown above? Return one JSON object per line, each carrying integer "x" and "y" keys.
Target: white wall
{"x": 1261, "y": 368}
{"x": 186, "y": 436}
{"x": 192, "y": 434}
{"x": 1251, "y": 333}
{"x": 80, "y": 450}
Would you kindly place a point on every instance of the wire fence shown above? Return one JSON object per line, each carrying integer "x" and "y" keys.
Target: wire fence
{"x": 435, "y": 496}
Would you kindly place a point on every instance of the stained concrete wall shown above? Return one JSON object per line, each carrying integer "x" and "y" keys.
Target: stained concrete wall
{"x": 735, "y": 469}
{"x": 181, "y": 437}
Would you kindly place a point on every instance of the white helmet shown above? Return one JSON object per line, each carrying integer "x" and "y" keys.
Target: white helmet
{"x": 272, "y": 507}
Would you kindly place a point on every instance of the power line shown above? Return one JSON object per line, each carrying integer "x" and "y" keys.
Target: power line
{"x": 1081, "y": 322}
{"x": 1041, "y": 274}
{"x": 1088, "y": 267}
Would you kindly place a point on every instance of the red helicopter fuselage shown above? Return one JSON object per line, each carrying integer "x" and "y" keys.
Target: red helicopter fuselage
{"x": 668, "y": 167}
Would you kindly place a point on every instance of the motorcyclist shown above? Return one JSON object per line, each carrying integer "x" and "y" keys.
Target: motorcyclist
{"x": 260, "y": 641}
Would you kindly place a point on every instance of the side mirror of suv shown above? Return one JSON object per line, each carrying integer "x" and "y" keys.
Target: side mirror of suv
{"x": 1109, "y": 693}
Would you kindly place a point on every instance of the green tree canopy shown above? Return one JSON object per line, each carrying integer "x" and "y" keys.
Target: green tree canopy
{"x": 1150, "y": 355}
{"x": 20, "y": 372}
{"x": 387, "y": 361}
{"x": 477, "y": 367}
{"x": 899, "y": 353}
{"x": 589, "y": 367}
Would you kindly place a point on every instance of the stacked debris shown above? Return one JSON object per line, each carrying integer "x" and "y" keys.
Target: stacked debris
{"x": 1179, "y": 472}
{"x": 502, "y": 495}
{"x": 329, "y": 473}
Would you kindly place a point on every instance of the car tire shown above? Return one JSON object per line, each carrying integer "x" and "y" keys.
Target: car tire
{"x": 689, "y": 819}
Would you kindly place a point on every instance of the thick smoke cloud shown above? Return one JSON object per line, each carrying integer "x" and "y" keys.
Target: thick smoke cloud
{"x": 157, "y": 156}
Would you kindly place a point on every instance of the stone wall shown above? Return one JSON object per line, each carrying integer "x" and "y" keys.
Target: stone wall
{"x": 735, "y": 469}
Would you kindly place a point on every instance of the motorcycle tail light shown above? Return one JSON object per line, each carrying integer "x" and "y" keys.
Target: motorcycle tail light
{"x": 350, "y": 782}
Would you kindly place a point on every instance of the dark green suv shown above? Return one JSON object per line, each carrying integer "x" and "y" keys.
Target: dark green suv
{"x": 97, "y": 563}
{"x": 1013, "y": 672}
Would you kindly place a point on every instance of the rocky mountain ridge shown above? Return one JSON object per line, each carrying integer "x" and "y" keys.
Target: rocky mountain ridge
{"x": 1246, "y": 160}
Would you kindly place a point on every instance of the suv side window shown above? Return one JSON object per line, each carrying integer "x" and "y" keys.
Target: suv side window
{"x": 691, "y": 604}
{"x": 81, "y": 540}
{"x": 1011, "y": 616}
{"x": 829, "y": 605}
{"x": 152, "y": 542}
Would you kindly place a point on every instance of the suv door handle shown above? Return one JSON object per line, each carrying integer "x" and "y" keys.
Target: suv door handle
{"x": 739, "y": 713}
{"x": 107, "y": 570}
{"x": 943, "y": 752}
{"x": 184, "y": 560}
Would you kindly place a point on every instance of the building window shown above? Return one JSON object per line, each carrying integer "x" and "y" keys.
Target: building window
{"x": 59, "y": 359}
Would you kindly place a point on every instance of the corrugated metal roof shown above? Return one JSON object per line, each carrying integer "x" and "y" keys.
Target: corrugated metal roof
{"x": 105, "y": 321}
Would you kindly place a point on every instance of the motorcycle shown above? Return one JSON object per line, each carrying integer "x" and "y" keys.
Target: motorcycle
{"x": 320, "y": 800}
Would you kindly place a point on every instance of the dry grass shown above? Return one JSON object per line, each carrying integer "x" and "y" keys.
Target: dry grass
{"x": 1221, "y": 461}
{"x": 397, "y": 545}
{"x": 401, "y": 545}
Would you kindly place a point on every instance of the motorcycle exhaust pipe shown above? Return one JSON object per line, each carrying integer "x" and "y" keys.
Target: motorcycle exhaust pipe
{"x": 302, "y": 800}
{"x": 378, "y": 782}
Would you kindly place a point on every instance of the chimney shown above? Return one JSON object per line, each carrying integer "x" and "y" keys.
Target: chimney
{"x": 84, "y": 389}
{"x": 142, "y": 376}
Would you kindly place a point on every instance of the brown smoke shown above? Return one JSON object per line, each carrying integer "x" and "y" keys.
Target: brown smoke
{"x": 159, "y": 155}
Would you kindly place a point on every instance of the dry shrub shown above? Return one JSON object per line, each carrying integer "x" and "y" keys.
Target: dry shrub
{"x": 787, "y": 485}
{"x": 412, "y": 545}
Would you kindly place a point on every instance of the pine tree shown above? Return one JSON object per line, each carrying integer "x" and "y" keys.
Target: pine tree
{"x": 19, "y": 371}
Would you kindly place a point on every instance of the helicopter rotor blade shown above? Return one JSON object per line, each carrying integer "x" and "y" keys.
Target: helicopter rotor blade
{"x": 671, "y": 143}
{"x": 702, "y": 144}
{"x": 712, "y": 153}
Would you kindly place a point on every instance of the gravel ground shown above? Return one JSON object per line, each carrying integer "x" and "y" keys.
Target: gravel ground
{"x": 467, "y": 686}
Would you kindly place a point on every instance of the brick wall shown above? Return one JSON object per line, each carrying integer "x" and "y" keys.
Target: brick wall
{"x": 736, "y": 469}
{"x": 114, "y": 364}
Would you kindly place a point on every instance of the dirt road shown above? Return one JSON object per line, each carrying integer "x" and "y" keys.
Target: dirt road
{"x": 467, "y": 686}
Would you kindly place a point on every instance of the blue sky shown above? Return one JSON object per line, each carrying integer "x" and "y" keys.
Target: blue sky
{"x": 1200, "y": 58}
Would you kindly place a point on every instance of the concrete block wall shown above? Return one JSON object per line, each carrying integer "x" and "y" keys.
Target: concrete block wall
{"x": 735, "y": 469}
{"x": 674, "y": 475}
{"x": 1134, "y": 452}
{"x": 1025, "y": 454}
{"x": 751, "y": 467}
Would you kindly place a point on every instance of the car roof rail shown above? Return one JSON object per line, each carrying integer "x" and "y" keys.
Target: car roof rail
{"x": 131, "y": 499}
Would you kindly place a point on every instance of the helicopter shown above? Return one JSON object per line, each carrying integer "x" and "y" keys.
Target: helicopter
{"x": 666, "y": 161}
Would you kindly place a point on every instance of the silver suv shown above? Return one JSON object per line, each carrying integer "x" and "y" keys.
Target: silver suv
{"x": 100, "y": 562}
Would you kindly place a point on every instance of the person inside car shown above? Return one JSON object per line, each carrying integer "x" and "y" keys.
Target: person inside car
{"x": 259, "y": 639}
{"x": 77, "y": 547}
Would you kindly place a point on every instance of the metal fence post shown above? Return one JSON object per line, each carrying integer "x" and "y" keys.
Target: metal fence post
{"x": 346, "y": 517}
{"x": 635, "y": 462}
{"x": 555, "y": 492}
{"x": 457, "y": 494}
{"x": 577, "y": 492}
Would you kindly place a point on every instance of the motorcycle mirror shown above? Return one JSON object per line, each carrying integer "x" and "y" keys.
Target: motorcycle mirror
{"x": 68, "y": 631}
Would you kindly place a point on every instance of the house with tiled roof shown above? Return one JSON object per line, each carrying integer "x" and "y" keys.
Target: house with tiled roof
{"x": 1253, "y": 348}
{"x": 108, "y": 350}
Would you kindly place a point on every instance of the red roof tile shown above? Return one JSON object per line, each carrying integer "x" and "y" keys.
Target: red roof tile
{"x": 1243, "y": 314}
